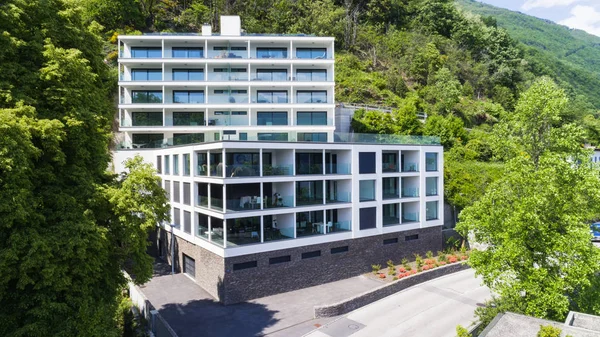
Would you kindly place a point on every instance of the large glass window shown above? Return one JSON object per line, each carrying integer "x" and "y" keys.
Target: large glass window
{"x": 176, "y": 164}
{"x": 271, "y": 75}
{"x": 187, "y": 138}
{"x": 280, "y": 137}
{"x": 188, "y": 118}
{"x": 389, "y": 162}
{"x": 307, "y": 96}
{"x": 191, "y": 97}
{"x": 312, "y": 137}
{"x": 147, "y": 118}
{"x": 366, "y": 162}
{"x": 311, "y": 75}
{"x": 217, "y": 232}
{"x": 309, "y": 193}
{"x": 431, "y": 161}
{"x": 272, "y": 118}
{"x": 202, "y": 229}
{"x": 167, "y": 164}
{"x": 147, "y": 140}
{"x": 176, "y": 191}
{"x": 368, "y": 218}
{"x": 187, "y": 222}
{"x": 146, "y": 52}
{"x": 188, "y": 75}
{"x": 201, "y": 164}
{"x": 431, "y": 210}
{"x": 168, "y": 189}
{"x": 186, "y": 164}
{"x": 309, "y": 223}
{"x": 309, "y": 163}
{"x": 146, "y": 75}
{"x": 177, "y": 217}
{"x": 139, "y": 96}
{"x": 266, "y": 53}
{"x": 311, "y": 53}
{"x": 431, "y": 186}
{"x": 391, "y": 214}
{"x": 187, "y": 52}
{"x": 263, "y": 96}
{"x": 367, "y": 190}
{"x": 390, "y": 188}
{"x": 243, "y": 231}
{"x": 159, "y": 164}
{"x": 311, "y": 118}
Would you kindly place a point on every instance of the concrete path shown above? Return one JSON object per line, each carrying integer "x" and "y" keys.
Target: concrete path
{"x": 192, "y": 312}
{"x": 433, "y": 308}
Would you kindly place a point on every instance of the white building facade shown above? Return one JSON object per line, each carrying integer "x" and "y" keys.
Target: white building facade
{"x": 241, "y": 130}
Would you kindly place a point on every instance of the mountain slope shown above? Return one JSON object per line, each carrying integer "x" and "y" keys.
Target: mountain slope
{"x": 573, "y": 55}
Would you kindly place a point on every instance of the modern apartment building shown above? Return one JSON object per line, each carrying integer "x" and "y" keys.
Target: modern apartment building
{"x": 266, "y": 197}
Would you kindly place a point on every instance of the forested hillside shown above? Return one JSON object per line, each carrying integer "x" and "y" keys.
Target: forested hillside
{"x": 573, "y": 55}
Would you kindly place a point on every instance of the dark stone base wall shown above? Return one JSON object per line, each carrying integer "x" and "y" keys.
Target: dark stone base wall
{"x": 216, "y": 274}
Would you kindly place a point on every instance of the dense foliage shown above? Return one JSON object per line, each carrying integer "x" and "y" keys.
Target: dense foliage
{"x": 67, "y": 227}
{"x": 535, "y": 217}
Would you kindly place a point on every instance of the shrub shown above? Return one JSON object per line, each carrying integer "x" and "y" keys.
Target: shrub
{"x": 427, "y": 267}
{"x": 452, "y": 259}
{"x": 418, "y": 261}
{"x": 406, "y": 264}
{"x": 429, "y": 254}
{"x": 462, "y": 331}
{"x": 441, "y": 256}
{"x": 549, "y": 331}
{"x": 382, "y": 275}
{"x": 395, "y": 278}
{"x": 464, "y": 257}
{"x": 376, "y": 268}
{"x": 442, "y": 263}
{"x": 401, "y": 270}
{"x": 430, "y": 261}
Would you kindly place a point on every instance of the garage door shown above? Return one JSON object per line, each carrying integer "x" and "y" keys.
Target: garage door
{"x": 189, "y": 266}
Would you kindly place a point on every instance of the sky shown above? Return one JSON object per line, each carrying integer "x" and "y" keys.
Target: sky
{"x": 580, "y": 14}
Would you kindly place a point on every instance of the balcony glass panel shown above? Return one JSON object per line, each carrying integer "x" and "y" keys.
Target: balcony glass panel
{"x": 272, "y": 118}
{"x": 319, "y": 96}
{"x": 232, "y": 97}
{"x": 277, "y": 170}
{"x": 243, "y": 197}
{"x": 271, "y": 75}
{"x": 216, "y": 231}
{"x": 188, "y": 97}
{"x": 147, "y": 118}
{"x": 308, "y": 75}
{"x": 271, "y": 53}
{"x": 311, "y": 118}
{"x": 278, "y": 227}
{"x": 146, "y": 75}
{"x": 138, "y": 96}
{"x": 242, "y": 164}
{"x": 271, "y": 97}
{"x": 309, "y": 193}
{"x": 391, "y": 214}
{"x": 225, "y": 54}
{"x": 389, "y": 162}
{"x": 337, "y": 197}
{"x": 187, "y": 52}
{"x": 390, "y": 188}
{"x": 202, "y": 228}
{"x": 410, "y": 192}
{"x": 337, "y": 168}
{"x": 309, "y": 163}
{"x": 201, "y": 164}
{"x": 216, "y": 164}
{"x": 147, "y": 140}
{"x": 312, "y": 137}
{"x": 309, "y": 223}
{"x": 410, "y": 166}
{"x": 339, "y": 226}
{"x": 187, "y": 138}
{"x": 188, "y": 118}
{"x": 146, "y": 52}
{"x": 311, "y": 53}
{"x": 188, "y": 75}
{"x": 278, "y": 200}
{"x": 431, "y": 186}
{"x": 243, "y": 231}
{"x": 409, "y": 216}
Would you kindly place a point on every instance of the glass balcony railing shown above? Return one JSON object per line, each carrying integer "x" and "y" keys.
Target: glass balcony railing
{"x": 338, "y": 197}
{"x": 224, "y": 77}
{"x": 302, "y": 169}
{"x": 216, "y": 203}
{"x": 390, "y": 193}
{"x": 240, "y": 171}
{"x": 410, "y": 167}
{"x": 410, "y": 192}
{"x": 410, "y": 217}
{"x": 390, "y": 220}
{"x": 227, "y": 120}
{"x": 228, "y": 54}
{"x": 337, "y": 168}
{"x": 277, "y": 170}
{"x": 270, "y": 77}
{"x": 227, "y": 99}
{"x": 169, "y": 121}
{"x": 244, "y": 204}
{"x": 202, "y": 201}
{"x": 302, "y": 200}
{"x": 279, "y": 201}
{"x": 340, "y": 226}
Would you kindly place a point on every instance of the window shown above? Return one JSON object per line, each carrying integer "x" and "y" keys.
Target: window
{"x": 187, "y": 222}
{"x": 187, "y": 194}
{"x": 168, "y": 189}
{"x": 139, "y": 96}
{"x": 188, "y": 75}
{"x": 316, "y": 96}
{"x": 431, "y": 186}
{"x": 243, "y": 136}
{"x": 188, "y": 118}
{"x": 309, "y": 192}
{"x": 366, "y": 162}
{"x": 187, "y": 52}
{"x": 186, "y": 164}
{"x": 281, "y": 137}
{"x": 312, "y": 137}
{"x": 189, "y": 266}
{"x": 368, "y": 218}
{"x": 280, "y": 259}
{"x": 431, "y": 161}
{"x": 177, "y": 217}
{"x": 310, "y": 255}
{"x": 167, "y": 165}
{"x": 146, "y": 52}
{"x": 191, "y": 97}
{"x": 391, "y": 214}
{"x": 176, "y": 191}
{"x": 390, "y": 241}
{"x": 147, "y": 118}
{"x": 311, "y": 118}
{"x": 431, "y": 210}
{"x": 146, "y": 75}
{"x": 367, "y": 190}
{"x": 389, "y": 162}
{"x": 271, "y": 75}
{"x": 159, "y": 164}
{"x": 269, "y": 53}
{"x": 279, "y": 96}
{"x": 309, "y": 163}
{"x": 411, "y": 237}
{"x": 338, "y": 250}
{"x": 272, "y": 118}
{"x": 147, "y": 140}
{"x": 311, "y": 53}
{"x": 202, "y": 229}
{"x": 187, "y": 138}
{"x": 311, "y": 75}
{"x": 176, "y": 164}
{"x": 244, "y": 265}
{"x": 390, "y": 188}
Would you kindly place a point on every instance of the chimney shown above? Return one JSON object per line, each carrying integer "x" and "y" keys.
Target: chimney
{"x": 231, "y": 25}
{"x": 206, "y": 30}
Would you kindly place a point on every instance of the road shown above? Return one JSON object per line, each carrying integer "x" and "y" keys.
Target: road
{"x": 433, "y": 308}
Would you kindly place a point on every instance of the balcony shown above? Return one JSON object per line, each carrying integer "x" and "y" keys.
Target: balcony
{"x": 408, "y": 217}
{"x": 278, "y": 200}
{"x": 339, "y": 197}
{"x": 228, "y": 99}
{"x": 277, "y": 170}
{"x": 410, "y": 167}
{"x": 227, "y": 54}
{"x": 226, "y": 77}
{"x": 337, "y": 168}
{"x": 410, "y": 192}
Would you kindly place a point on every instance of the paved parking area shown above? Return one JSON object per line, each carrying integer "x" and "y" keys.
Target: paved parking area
{"x": 191, "y": 311}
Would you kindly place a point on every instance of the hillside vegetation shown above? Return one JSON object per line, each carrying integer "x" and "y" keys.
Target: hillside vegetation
{"x": 572, "y": 55}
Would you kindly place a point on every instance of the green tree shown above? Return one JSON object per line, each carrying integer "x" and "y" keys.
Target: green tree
{"x": 450, "y": 129}
{"x": 534, "y": 218}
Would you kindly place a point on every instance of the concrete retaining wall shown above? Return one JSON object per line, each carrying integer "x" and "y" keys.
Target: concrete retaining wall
{"x": 376, "y": 294}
